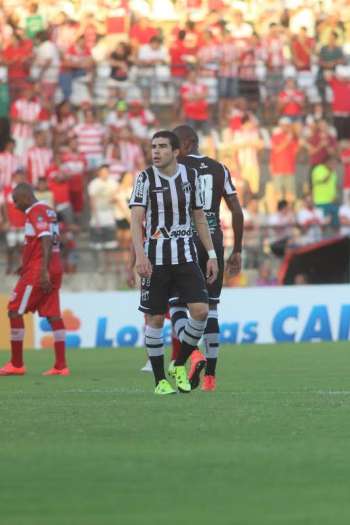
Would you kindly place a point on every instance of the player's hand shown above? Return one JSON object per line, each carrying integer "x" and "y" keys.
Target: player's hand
{"x": 234, "y": 264}
{"x": 143, "y": 266}
{"x": 130, "y": 277}
{"x": 44, "y": 282}
{"x": 212, "y": 270}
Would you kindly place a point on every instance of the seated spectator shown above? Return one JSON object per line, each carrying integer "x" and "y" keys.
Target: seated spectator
{"x": 43, "y": 192}
{"x": 103, "y": 194}
{"x": 344, "y": 217}
{"x": 39, "y": 158}
{"x": 291, "y": 101}
{"x": 345, "y": 159}
{"x": 9, "y": 163}
{"x": 282, "y": 225}
{"x": 122, "y": 211}
{"x": 331, "y": 55}
{"x": 76, "y": 62}
{"x": 300, "y": 279}
{"x": 311, "y": 221}
{"x": 152, "y": 55}
{"x": 339, "y": 81}
{"x": 74, "y": 166}
{"x": 117, "y": 118}
{"x": 113, "y": 157}
{"x": 265, "y": 275}
{"x": 131, "y": 153}
{"x": 13, "y": 223}
{"x": 92, "y": 137}
{"x": 120, "y": 61}
{"x": 194, "y": 102}
{"x": 254, "y": 232}
{"x": 273, "y": 50}
{"x": 284, "y": 149}
{"x": 324, "y": 182}
{"x": 141, "y": 120}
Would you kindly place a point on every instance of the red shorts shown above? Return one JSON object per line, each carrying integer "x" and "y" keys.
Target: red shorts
{"x": 27, "y": 297}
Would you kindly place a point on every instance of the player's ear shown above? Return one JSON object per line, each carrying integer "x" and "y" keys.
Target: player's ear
{"x": 176, "y": 152}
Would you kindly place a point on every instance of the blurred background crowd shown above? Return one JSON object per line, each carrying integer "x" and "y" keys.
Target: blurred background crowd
{"x": 83, "y": 85}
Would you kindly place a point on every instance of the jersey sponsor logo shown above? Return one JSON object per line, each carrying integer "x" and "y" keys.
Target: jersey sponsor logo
{"x": 175, "y": 233}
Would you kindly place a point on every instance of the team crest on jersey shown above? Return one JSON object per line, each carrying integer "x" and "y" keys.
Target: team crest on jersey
{"x": 187, "y": 187}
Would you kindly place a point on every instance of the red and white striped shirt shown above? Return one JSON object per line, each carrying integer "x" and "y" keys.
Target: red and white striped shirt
{"x": 39, "y": 159}
{"x": 208, "y": 57}
{"x": 116, "y": 165}
{"x": 9, "y": 164}
{"x": 228, "y": 59}
{"x": 73, "y": 164}
{"x": 27, "y": 110}
{"x": 90, "y": 138}
{"x": 131, "y": 156}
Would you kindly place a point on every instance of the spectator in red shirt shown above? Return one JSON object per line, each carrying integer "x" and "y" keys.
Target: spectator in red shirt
{"x": 340, "y": 85}
{"x": 77, "y": 62}
{"x": 302, "y": 47}
{"x": 58, "y": 183}
{"x": 291, "y": 101}
{"x": 194, "y": 102}
{"x": 142, "y": 31}
{"x": 180, "y": 56}
{"x": 284, "y": 149}
{"x": 320, "y": 143}
{"x": 17, "y": 56}
{"x": 13, "y": 223}
{"x": 63, "y": 122}
{"x": 74, "y": 166}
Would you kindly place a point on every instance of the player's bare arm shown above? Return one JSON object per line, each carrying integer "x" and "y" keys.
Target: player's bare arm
{"x": 143, "y": 264}
{"x": 234, "y": 262}
{"x": 46, "y": 247}
{"x": 130, "y": 277}
{"x": 202, "y": 228}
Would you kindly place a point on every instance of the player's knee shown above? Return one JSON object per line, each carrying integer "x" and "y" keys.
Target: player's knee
{"x": 199, "y": 311}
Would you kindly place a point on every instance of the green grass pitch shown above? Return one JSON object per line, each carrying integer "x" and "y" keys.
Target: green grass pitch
{"x": 271, "y": 446}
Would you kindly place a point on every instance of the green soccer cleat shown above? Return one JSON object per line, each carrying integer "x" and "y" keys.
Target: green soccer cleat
{"x": 181, "y": 379}
{"x": 164, "y": 388}
{"x": 171, "y": 369}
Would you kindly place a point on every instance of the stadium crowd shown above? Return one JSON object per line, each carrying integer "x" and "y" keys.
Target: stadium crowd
{"x": 267, "y": 87}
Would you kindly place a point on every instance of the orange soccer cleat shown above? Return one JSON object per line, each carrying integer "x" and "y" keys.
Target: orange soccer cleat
{"x": 198, "y": 362}
{"x": 10, "y": 370}
{"x": 209, "y": 384}
{"x": 56, "y": 372}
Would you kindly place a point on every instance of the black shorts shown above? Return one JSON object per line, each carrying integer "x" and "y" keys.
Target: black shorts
{"x": 214, "y": 289}
{"x": 186, "y": 278}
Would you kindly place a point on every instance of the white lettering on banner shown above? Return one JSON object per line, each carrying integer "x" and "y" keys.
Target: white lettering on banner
{"x": 289, "y": 314}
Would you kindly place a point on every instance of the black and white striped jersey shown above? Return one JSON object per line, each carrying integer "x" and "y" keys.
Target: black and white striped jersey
{"x": 169, "y": 202}
{"x": 215, "y": 182}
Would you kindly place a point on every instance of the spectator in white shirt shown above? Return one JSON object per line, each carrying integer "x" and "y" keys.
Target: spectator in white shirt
{"x": 311, "y": 220}
{"x": 46, "y": 65}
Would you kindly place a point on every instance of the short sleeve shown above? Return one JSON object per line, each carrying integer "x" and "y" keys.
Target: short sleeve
{"x": 229, "y": 187}
{"x": 140, "y": 192}
{"x": 197, "y": 201}
{"x": 40, "y": 221}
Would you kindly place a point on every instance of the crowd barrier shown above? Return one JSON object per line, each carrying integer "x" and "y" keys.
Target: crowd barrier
{"x": 253, "y": 315}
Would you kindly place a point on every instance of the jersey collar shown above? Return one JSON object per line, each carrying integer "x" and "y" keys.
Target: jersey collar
{"x": 196, "y": 156}
{"x": 33, "y": 206}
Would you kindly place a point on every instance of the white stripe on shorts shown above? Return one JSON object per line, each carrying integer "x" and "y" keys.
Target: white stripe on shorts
{"x": 25, "y": 299}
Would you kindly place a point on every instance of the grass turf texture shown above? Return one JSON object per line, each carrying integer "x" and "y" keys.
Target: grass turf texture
{"x": 271, "y": 446}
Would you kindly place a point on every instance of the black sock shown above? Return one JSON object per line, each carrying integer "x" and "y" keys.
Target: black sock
{"x": 157, "y": 363}
{"x": 185, "y": 352}
{"x": 211, "y": 366}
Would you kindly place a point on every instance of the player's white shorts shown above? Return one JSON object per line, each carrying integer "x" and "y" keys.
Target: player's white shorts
{"x": 15, "y": 237}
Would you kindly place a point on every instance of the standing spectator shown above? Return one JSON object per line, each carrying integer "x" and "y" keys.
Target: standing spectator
{"x": 34, "y": 22}
{"x": 46, "y": 65}
{"x": 291, "y": 101}
{"x": 142, "y": 31}
{"x": 151, "y": 58}
{"x": 330, "y": 56}
{"x": 228, "y": 72}
{"x": 208, "y": 55}
{"x": 302, "y": 47}
{"x": 118, "y": 117}
{"x": 17, "y": 55}
{"x": 103, "y": 197}
{"x": 320, "y": 143}
{"x": 74, "y": 167}
{"x": 311, "y": 221}
{"x": 58, "y": 183}
{"x": 345, "y": 158}
{"x": 14, "y": 221}
{"x": 76, "y": 62}
{"x": 324, "y": 182}
{"x": 247, "y": 143}
{"x": 194, "y": 102}
{"x": 63, "y": 122}
{"x": 284, "y": 149}
{"x": 254, "y": 233}
{"x": 92, "y": 136}
{"x": 266, "y": 276}
{"x": 122, "y": 211}
{"x": 120, "y": 61}
{"x": 181, "y": 56}
{"x": 344, "y": 217}
{"x": 9, "y": 163}
{"x": 141, "y": 119}
{"x": 116, "y": 166}
{"x": 131, "y": 153}
{"x": 273, "y": 48}
{"x": 39, "y": 158}
{"x": 340, "y": 85}
{"x": 43, "y": 192}
{"x": 26, "y": 112}
{"x": 250, "y": 56}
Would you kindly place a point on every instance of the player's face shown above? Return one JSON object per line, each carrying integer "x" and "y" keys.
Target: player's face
{"x": 162, "y": 153}
{"x": 19, "y": 201}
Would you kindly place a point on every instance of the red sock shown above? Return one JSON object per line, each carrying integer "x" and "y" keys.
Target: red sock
{"x": 59, "y": 335}
{"x": 176, "y": 347}
{"x": 17, "y": 336}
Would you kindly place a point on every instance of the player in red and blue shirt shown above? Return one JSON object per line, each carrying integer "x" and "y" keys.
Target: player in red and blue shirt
{"x": 37, "y": 289}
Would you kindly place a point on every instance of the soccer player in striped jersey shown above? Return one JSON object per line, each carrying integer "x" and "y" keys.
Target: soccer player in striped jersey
{"x": 216, "y": 184}
{"x": 167, "y": 197}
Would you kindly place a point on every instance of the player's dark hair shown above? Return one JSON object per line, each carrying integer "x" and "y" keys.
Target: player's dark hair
{"x": 282, "y": 204}
{"x": 165, "y": 134}
{"x": 185, "y": 132}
